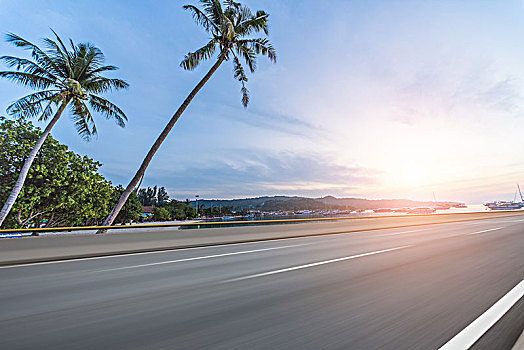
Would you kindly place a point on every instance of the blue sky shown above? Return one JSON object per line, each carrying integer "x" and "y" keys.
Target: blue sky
{"x": 377, "y": 99}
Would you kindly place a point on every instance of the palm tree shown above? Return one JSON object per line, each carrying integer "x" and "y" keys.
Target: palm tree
{"x": 230, "y": 26}
{"x": 63, "y": 77}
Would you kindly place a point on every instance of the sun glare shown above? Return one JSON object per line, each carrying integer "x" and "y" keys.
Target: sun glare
{"x": 408, "y": 176}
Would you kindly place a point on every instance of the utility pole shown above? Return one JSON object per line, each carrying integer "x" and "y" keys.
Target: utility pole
{"x": 196, "y": 196}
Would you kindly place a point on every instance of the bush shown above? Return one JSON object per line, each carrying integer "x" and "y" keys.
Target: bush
{"x": 161, "y": 214}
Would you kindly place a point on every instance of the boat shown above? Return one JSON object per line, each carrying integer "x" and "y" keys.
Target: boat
{"x": 421, "y": 210}
{"x": 383, "y": 210}
{"x": 502, "y": 205}
{"x": 442, "y": 206}
{"x": 505, "y": 205}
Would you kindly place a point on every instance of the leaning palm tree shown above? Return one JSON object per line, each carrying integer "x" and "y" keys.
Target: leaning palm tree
{"x": 63, "y": 77}
{"x": 230, "y": 26}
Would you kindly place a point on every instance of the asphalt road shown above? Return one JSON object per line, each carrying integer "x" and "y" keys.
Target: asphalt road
{"x": 403, "y": 288}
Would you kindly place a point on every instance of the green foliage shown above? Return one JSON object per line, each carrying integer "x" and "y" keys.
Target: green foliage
{"x": 161, "y": 214}
{"x": 132, "y": 208}
{"x": 153, "y": 197}
{"x": 293, "y": 204}
{"x": 162, "y": 197}
{"x": 63, "y": 74}
{"x": 218, "y": 211}
{"x": 62, "y": 188}
{"x": 179, "y": 210}
{"x": 230, "y": 26}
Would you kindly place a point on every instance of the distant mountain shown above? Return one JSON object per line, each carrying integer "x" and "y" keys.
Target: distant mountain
{"x": 365, "y": 204}
{"x": 304, "y": 203}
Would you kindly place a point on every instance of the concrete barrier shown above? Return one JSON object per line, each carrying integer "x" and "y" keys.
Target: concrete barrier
{"x": 51, "y": 248}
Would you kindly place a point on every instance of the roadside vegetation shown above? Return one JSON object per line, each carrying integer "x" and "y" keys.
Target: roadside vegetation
{"x": 163, "y": 208}
{"x": 61, "y": 189}
{"x": 63, "y": 77}
{"x": 45, "y": 184}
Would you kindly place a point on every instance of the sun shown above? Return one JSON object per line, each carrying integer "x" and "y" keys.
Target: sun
{"x": 408, "y": 175}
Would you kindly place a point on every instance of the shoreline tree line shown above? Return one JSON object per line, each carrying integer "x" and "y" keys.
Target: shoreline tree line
{"x": 65, "y": 189}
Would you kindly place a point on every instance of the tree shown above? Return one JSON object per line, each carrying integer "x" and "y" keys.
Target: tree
{"x": 162, "y": 197}
{"x": 146, "y": 196}
{"x": 153, "y": 197}
{"x": 62, "y": 188}
{"x": 64, "y": 78}
{"x": 230, "y": 28}
{"x": 131, "y": 210}
{"x": 179, "y": 210}
{"x": 161, "y": 214}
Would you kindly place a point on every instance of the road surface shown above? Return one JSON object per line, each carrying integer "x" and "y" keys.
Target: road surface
{"x": 404, "y": 288}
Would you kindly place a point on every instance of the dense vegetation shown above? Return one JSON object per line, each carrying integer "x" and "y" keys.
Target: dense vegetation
{"x": 283, "y": 203}
{"x": 65, "y": 189}
{"x": 165, "y": 209}
{"x": 153, "y": 196}
{"x": 62, "y": 188}
{"x": 63, "y": 77}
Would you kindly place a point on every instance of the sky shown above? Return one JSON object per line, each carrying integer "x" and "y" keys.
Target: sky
{"x": 374, "y": 99}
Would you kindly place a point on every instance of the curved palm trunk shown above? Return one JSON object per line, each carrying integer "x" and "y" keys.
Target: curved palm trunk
{"x": 125, "y": 195}
{"x": 28, "y": 162}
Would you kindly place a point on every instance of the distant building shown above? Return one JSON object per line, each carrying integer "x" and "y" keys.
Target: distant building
{"x": 147, "y": 211}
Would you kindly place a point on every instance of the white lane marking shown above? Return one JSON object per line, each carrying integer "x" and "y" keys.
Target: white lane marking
{"x": 199, "y": 258}
{"x": 299, "y": 267}
{"x": 178, "y": 249}
{"x": 490, "y": 221}
{"x": 469, "y": 335}
{"x": 480, "y": 222}
{"x": 491, "y": 229}
{"x": 193, "y": 248}
{"x": 399, "y": 233}
{"x": 144, "y": 253}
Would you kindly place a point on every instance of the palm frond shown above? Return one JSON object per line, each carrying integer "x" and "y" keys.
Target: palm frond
{"x": 202, "y": 19}
{"x": 245, "y": 96}
{"x": 88, "y": 56}
{"x": 193, "y": 59}
{"x": 231, "y": 10}
{"x": 62, "y": 59}
{"x": 40, "y": 56}
{"x": 213, "y": 10}
{"x": 27, "y": 66}
{"x": 248, "y": 55}
{"x": 231, "y": 4}
{"x": 260, "y": 46}
{"x": 94, "y": 70}
{"x": 64, "y": 49}
{"x": 253, "y": 24}
{"x": 240, "y": 75}
{"x": 30, "y": 106}
{"x": 48, "y": 110}
{"x": 27, "y": 79}
{"x": 108, "y": 110}
{"x": 238, "y": 70}
{"x": 83, "y": 120}
{"x": 100, "y": 84}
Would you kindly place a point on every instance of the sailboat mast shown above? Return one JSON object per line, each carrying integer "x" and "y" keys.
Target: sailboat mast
{"x": 521, "y": 199}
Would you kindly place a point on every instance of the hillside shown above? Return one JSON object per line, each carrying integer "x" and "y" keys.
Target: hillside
{"x": 303, "y": 203}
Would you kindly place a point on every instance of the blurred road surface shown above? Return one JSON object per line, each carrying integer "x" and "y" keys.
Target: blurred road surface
{"x": 403, "y": 288}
